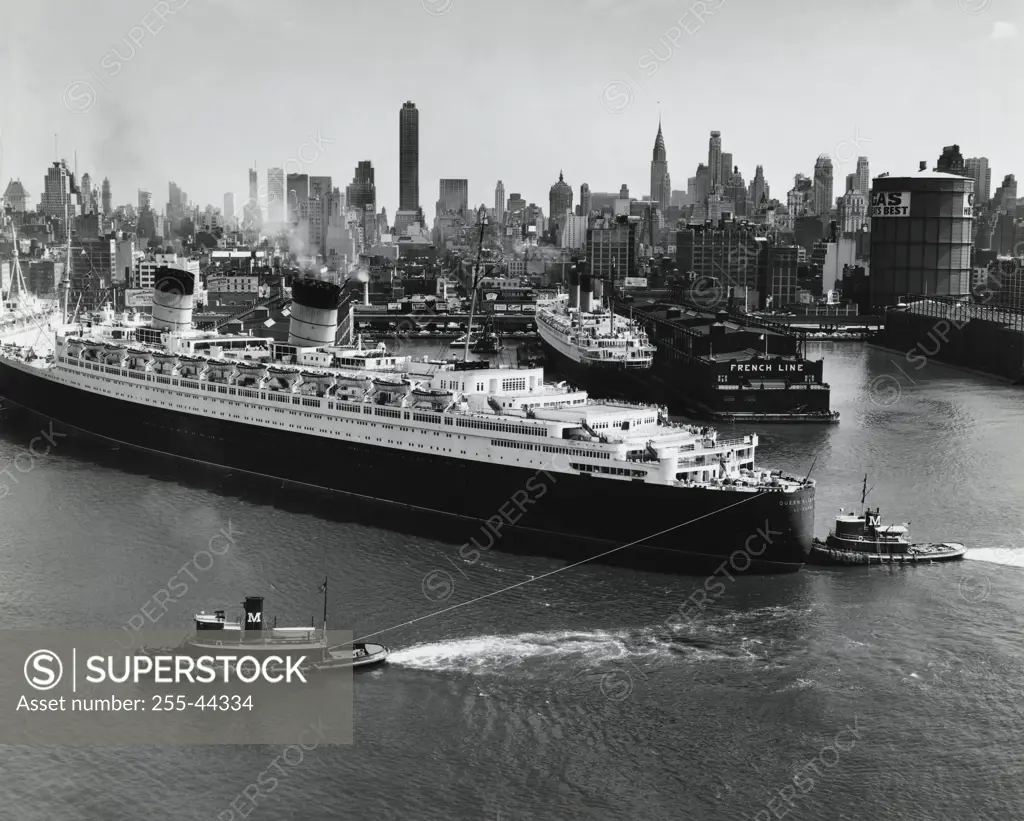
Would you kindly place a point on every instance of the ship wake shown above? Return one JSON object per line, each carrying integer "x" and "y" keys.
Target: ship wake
{"x": 528, "y": 653}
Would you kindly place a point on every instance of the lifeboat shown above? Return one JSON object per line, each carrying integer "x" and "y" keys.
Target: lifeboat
{"x": 387, "y": 386}
{"x": 192, "y": 367}
{"x": 317, "y": 384}
{"x": 219, "y": 370}
{"x": 140, "y": 360}
{"x": 93, "y": 350}
{"x": 433, "y": 394}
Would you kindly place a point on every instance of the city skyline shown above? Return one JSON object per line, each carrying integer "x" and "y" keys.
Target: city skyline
{"x": 117, "y": 137}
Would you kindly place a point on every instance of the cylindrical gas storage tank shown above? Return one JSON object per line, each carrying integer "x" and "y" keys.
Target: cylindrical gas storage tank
{"x": 586, "y": 293}
{"x": 173, "y": 291}
{"x": 314, "y": 313}
{"x": 922, "y": 227}
{"x": 574, "y": 288}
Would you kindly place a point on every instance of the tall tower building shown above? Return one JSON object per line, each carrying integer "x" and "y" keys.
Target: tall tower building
{"x": 58, "y": 192}
{"x": 559, "y": 199}
{"x": 585, "y": 201}
{"x": 229, "y": 209}
{"x": 408, "y": 158}
{"x": 714, "y": 160}
{"x": 978, "y": 170}
{"x": 253, "y": 220}
{"x": 362, "y": 191}
{"x": 87, "y": 204}
{"x": 863, "y": 176}
{"x": 453, "y": 197}
{"x": 1005, "y": 198}
{"x": 758, "y": 189}
{"x": 296, "y": 194}
{"x": 727, "y": 168}
{"x": 499, "y": 202}
{"x": 823, "y": 185}
{"x": 275, "y": 197}
{"x": 661, "y": 184}
{"x": 851, "y": 182}
{"x": 107, "y": 208}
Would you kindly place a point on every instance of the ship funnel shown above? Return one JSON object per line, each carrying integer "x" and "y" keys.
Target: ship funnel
{"x": 253, "y": 613}
{"x": 598, "y": 290}
{"x": 574, "y": 288}
{"x": 314, "y": 313}
{"x": 172, "y": 299}
{"x": 586, "y": 293}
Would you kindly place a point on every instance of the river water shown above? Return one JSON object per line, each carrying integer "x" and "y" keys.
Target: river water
{"x": 862, "y": 693}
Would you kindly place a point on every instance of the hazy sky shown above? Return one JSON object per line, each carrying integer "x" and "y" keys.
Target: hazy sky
{"x": 513, "y": 91}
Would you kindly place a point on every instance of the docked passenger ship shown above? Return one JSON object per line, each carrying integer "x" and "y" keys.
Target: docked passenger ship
{"x": 588, "y": 342}
{"x": 466, "y": 439}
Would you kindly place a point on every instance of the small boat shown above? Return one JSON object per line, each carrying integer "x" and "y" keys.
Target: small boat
{"x": 251, "y": 637}
{"x": 863, "y": 539}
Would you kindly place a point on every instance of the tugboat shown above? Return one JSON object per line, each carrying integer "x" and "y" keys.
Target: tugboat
{"x": 864, "y": 539}
{"x": 215, "y": 635}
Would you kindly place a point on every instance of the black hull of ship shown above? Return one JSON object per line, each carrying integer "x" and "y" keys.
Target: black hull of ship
{"x": 562, "y": 516}
{"x": 688, "y": 389}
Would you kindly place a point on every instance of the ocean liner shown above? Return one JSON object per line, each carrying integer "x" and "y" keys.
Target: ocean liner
{"x": 497, "y": 446}
{"x": 589, "y": 343}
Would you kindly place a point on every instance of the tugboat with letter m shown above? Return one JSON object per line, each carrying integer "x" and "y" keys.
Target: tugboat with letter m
{"x": 864, "y": 539}
{"x": 215, "y": 635}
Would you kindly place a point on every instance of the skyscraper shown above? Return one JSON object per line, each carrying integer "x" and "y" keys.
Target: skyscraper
{"x": 86, "y": 194}
{"x": 727, "y": 168}
{"x": 499, "y": 202}
{"x": 408, "y": 158}
{"x": 362, "y": 191}
{"x": 58, "y": 192}
{"x": 275, "y": 196}
{"x": 106, "y": 197}
{"x": 297, "y": 193}
{"x": 715, "y": 160}
{"x": 978, "y": 170}
{"x": 253, "y": 219}
{"x": 661, "y": 184}
{"x": 823, "y": 186}
{"x": 559, "y": 199}
{"x": 585, "y": 206}
{"x": 863, "y": 176}
{"x": 229, "y": 209}
{"x": 320, "y": 187}
{"x": 453, "y": 197}
{"x": 1005, "y": 198}
{"x": 851, "y": 182}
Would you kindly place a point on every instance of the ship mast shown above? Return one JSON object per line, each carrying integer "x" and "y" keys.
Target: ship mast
{"x": 476, "y": 279}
